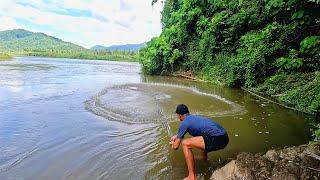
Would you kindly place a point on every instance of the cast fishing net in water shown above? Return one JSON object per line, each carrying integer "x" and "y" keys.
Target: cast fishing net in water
{"x": 149, "y": 103}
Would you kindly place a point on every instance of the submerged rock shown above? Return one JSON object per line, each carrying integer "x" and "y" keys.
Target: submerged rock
{"x": 300, "y": 162}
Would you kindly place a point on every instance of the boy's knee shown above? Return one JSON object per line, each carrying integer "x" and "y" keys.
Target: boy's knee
{"x": 185, "y": 143}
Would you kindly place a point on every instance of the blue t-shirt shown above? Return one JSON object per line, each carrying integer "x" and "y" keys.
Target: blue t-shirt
{"x": 199, "y": 126}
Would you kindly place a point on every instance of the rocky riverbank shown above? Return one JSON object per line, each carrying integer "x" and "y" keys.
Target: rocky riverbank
{"x": 299, "y": 162}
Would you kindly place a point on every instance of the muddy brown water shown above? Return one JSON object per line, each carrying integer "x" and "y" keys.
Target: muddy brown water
{"x": 86, "y": 119}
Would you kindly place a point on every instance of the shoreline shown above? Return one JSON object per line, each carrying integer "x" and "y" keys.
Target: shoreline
{"x": 114, "y": 60}
{"x": 297, "y": 162}
{"x": 5, "y": 57}
{"x": 88, "y": 55}
{"x": 267, "y": 98}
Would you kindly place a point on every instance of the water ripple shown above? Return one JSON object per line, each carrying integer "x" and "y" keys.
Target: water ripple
{"x": 139, "y": 103}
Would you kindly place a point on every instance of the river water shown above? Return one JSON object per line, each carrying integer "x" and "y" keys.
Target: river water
{"x": 86, "y": 119}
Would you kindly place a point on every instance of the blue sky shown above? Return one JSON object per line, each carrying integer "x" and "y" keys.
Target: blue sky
{"x": 85, "y": 22}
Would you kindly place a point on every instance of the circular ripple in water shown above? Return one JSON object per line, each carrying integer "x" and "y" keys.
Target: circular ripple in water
{"x": 145, "y": 103}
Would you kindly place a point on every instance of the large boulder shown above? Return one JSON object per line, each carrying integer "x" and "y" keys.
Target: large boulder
{"x": 301, "y": 162}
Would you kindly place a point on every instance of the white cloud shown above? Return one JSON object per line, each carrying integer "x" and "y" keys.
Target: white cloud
{"x": 112, "y": 21}
{"x": 7, "y": 23}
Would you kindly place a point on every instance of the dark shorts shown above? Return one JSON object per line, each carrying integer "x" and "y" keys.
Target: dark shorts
{"x": 214, "y": 143}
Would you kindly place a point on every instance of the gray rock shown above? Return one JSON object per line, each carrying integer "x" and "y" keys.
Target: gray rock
{"x": 285, "y": 164}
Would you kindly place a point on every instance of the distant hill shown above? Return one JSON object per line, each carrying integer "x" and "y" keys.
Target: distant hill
{"x": 20, "y": 42}
{"x": 23, "y": 40}
{"x": 126, "y": 47}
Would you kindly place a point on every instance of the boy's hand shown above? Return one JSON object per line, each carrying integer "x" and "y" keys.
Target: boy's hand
{"x": 173, "y": 139}
{"x": 174, "y": 142}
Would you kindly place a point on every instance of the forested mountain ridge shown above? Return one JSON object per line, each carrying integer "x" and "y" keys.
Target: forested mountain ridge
{"x": 125, "y": 47}
{"x": 23, "y": 40}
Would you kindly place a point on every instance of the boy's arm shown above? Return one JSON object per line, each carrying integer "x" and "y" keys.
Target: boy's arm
{"x": 176, "y": 140}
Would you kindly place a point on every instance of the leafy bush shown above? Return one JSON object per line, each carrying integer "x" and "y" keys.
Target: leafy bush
{"x": 310, "y": 45}
{"x": 290, "y": 62}
{"x": 281, "y": 83}
{"x": 305, "y": 98}
{"x": 316, "y": 133}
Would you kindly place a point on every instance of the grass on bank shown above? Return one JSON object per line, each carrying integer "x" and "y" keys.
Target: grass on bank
{"x": 4, "y": 56}
{"x": 298, "y": 90}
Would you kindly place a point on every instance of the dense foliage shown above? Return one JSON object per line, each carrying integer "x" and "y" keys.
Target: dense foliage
{"x": 22, "y": 42}
{"x": 262, "y": 45}
{"x": 269, "y": 46}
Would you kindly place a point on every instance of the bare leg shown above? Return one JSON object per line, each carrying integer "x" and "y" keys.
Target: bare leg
{"x": 190, "y": 162}
{"x": 188, "y": 144}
